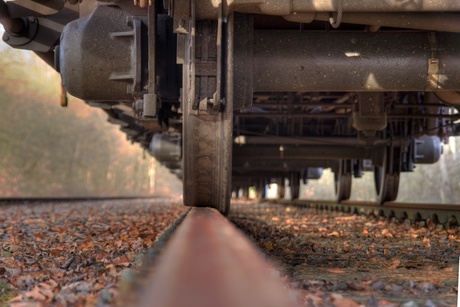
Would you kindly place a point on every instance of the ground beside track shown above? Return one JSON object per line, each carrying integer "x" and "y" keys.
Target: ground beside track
{"x": 336, "y": 257}
{"x": 75, "y": 253}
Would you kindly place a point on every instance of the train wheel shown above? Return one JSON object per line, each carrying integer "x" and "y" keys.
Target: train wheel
{"x": 386, "y": 177}
{"x": 207, "y": 160}
{"x": 245, "y": 192}
{"x": 342, "y": 180}
{"x": 295, "y": 185}
{"x": 260, "y": 190}
{"x": 207, "y": 122}
{"x": 281, "y": 187}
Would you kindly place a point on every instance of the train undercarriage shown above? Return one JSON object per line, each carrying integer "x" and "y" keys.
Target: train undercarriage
{"x": 238, "y": 93}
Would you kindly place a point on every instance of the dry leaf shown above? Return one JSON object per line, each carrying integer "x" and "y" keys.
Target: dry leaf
{"x": 394, "y": 264}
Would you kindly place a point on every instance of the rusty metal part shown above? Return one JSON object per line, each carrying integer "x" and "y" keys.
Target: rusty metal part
{"x": 314, "y": 152}
{"x": 319, "y": 61}
{"x": 280, "y": 140}
{"x": 40, "y": 34}
{"x": 12, "y": 25}
{"x": 369, "y": 112}
{"x": 36, "y": 8}
{"x": 439, "y": 213}
{"x": 208, "y": 9}
{"x": 239, "y": 67}
{"x": 143, "y": 3}
{"x": 341, "y": 116}
{"x": 209, "y": 263}
{"x": 150, "y": 100}
{"x": 442, "y": 22}
{"x": 113, "y": 63}
{"x": 452, "y": 97}
{"x": 286, "y": 6}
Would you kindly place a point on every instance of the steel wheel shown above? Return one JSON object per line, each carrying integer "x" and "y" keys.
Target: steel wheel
{"x": 207, "y": 160}
{"x": 245, "y": 192}
{"x": 294, "y": 183}
{"x": 206, "y": 130}
{"x": 342, "y": 180}
{"x": 281, "y": 187}
{"x": 260, "y": 190}
{"x": 386, "y": 178}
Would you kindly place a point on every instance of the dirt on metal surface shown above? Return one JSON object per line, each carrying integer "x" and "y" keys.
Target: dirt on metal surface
{"x": 337, "y": 258}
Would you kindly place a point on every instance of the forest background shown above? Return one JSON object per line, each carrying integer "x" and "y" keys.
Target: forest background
{"x": 47, "y": 150}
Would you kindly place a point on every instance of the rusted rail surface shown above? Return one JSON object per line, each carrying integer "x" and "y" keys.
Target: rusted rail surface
{"x": 208, "y": 263}
{"x": 447, "y": 214}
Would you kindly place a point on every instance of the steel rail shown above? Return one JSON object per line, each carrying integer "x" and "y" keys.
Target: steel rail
{"x": 208, "y": 263}
{"x": 445, "y": 214}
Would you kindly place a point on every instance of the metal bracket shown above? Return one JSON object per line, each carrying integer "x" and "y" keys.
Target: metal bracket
{"x": 150, "y": 108}
{"x": 181, "y": 12}
{"x": 135, "y": 74}
{"x": 22, "y": 39}
{"x": 206, "y": 64}
{"x": 369, "y": 113}
{"x": 433, "y": 64}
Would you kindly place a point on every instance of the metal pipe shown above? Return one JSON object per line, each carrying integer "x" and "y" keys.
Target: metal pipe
{"x": 304, "y": 105}
{"x": 286, "y": 7}
{"x": 279, "y": 140}
{"x": 346, "y": 61}
{"x": 12, "y": 25}
{"x": 442, "y": 22}
{"x": 314, "y": 152}
{"x": 253, "y": 163}
{"x": 296, "y": 115}
{"x": 208, "y": 9}
{"x": 342, "y": 116}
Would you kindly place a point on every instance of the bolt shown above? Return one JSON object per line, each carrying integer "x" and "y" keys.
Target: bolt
{"x": 6, "y": 38}
{"x": 31, "y": 19}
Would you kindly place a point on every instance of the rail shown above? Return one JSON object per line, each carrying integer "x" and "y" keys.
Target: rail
{"x": 208, "y": 262}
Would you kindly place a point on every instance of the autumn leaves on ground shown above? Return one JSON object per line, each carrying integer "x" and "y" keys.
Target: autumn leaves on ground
{"x": 76, "y": 253}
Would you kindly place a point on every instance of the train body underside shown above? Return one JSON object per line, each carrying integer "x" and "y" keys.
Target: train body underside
{"x": 232, "y": 94}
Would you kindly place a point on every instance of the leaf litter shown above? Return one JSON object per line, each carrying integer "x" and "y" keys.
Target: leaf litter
{"x": 74, "y": 254}
{"x": 341, "y": 259}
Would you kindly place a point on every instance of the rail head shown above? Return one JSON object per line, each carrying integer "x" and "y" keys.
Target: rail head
{"x": 207, "y": 263}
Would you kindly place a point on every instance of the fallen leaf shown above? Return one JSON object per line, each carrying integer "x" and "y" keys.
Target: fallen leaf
{"x": 333, "y": 234}
{"x": 356, "y": 286}
{"x": 345, "y": 302}
{"x": 35, "y": 294}
{"x": 394, "y": 264}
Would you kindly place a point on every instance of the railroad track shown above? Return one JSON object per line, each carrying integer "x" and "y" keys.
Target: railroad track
{"x": 208, "y": 263}
{"x": 287, "y": 253}
{"x": 445, "y": 214}
{"x": 211, "y": 263}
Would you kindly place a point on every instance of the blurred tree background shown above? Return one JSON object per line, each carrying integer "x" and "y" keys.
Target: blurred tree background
{"x": 47, "y": 150}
